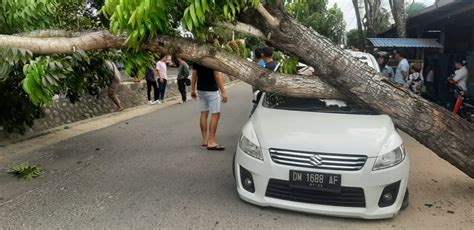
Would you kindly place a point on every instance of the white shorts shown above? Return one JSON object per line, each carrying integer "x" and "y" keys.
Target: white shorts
{"x": 210, "y": 101}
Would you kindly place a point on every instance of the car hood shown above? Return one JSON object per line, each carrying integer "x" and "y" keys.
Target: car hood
{"x": 322, "y": 132}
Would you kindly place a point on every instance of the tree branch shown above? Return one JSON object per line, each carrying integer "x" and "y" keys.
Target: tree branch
{"x": 216, "y": 58}
{"x": 63, "y": 45}
{"x": 272, "y": 21}
{"x": 242, "y": 28}
{"x": 48, "y": 34}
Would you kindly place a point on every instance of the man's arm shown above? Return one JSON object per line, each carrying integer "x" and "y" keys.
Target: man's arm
{"x": 194, "y": 84}
{"x": 220, "y": 84}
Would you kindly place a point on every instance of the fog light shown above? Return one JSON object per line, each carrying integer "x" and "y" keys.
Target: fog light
{"x": 247, "y": 180}
{"x": 389, "y": 194}
{"x": 387, "y": 197}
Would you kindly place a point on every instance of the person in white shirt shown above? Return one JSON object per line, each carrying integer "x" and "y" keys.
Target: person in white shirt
{"x": 460, "y": 75}
{"x": 403, "y": 68}
{"x": 162, "y": 75}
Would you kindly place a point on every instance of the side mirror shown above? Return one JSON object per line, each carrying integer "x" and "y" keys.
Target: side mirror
{"x": 257, "y": 95}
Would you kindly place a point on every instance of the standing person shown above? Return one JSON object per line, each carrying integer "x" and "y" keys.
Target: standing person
{"x": 432, "y": 79}
{"x": 268, "y": 58}
{"x": 162, "y": 75}
{"x": 151, "y": 84}
{"x": 208, "y": 82}
{"x": 183, "y": 74}
{"x": 460, "y": 74}
{"x": 403, "y": 68}
{"x": 387, "y": 71}
{"x": 114, "y": 85}
{"x": 415, "y": 80}
{"x": 259, "y": 57}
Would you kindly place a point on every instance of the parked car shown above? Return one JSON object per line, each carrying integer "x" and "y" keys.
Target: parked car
{"x": 366, "y": 58}
{"x": 321, "y": 156}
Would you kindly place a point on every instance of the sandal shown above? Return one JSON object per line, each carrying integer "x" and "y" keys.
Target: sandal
{"x": 204, "y": 145}
{"x": 216, "y": 148}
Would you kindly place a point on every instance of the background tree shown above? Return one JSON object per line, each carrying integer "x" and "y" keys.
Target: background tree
{"x": 415, "y": 8}
{"x": 354, "y": 39}
{"x": 361, "y": 36}
{"x": 376, "y": 17}
{"x": 328, "y": 22}
{"x": 399, "y": 16}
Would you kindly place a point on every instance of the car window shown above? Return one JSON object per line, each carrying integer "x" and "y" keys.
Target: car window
{"x": 275, "y": 101}
{"x": 365, "y": 60}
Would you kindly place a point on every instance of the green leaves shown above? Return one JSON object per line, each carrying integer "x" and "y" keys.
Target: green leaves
{"x": 145, "y": 19}
{"x": 35, "y": 82}
{"x": 142, "y": 19}
{"x": 316, "y": 14}
{"x": 25, "y": 172}
{"x": 136, "y": 63}
{"x": 195, "y": 14}
{"x": 24, "y": 15}
{"x": 288, "y": 64}
{"x": 14, "y": 55}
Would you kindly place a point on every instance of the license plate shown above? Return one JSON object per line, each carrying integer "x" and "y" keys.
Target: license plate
{"x": 315, "y": 181}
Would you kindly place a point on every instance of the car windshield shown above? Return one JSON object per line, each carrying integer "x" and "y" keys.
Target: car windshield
{"x": 274, "y": 101}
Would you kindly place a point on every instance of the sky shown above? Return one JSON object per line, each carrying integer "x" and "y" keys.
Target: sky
{"x": 349, "y": 13}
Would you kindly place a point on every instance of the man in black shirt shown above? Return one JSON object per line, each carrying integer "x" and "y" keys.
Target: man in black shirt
{"x": 208, "y": 83}
{"x": 268, "y": 58}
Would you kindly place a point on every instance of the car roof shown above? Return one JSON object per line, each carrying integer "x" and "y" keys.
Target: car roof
{"x": 366, "y": 58}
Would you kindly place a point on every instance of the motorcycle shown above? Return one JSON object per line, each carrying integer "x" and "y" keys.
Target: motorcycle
{"x": 464, "y": 105}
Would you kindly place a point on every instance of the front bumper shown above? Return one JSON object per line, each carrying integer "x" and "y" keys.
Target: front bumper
{"x": 372, "y": 183}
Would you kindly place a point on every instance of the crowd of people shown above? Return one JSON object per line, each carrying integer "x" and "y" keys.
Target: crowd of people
{"x": 410, "y": 75}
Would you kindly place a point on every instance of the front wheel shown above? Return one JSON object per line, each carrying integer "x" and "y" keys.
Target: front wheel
{"x": 233, "y": 165}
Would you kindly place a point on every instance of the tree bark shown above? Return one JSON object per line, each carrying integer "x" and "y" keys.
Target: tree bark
{"x": 399, "y": 16}
{"x": 437, "y": 128}
{"x": 216, "y": 58}
{"x": 359, "y": 24}
{"x": 372, "y": 14}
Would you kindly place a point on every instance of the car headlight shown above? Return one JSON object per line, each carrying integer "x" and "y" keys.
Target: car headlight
{"x": 390, "y": 159}
{"x": 250, "y": 148}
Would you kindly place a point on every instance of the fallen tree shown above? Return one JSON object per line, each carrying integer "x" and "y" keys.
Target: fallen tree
{"x": 338, "y": 75}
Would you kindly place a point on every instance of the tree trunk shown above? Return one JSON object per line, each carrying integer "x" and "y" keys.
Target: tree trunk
{"x": 372, "y": 15}
{"x": 359, "y": 24}
{"x": 45, "y": 42}
{"x": 399, "y": 16}
{"x": 437, "y": 128}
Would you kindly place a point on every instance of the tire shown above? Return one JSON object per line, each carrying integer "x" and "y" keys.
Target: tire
{"x": 233, "y": 164}
{"x": 406, "y": 200}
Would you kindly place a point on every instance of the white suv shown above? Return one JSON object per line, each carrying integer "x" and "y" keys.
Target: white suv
{"x": 321, "y": 156}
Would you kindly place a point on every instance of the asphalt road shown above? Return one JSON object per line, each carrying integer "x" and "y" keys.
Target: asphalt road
{"x": 151, "y": 173}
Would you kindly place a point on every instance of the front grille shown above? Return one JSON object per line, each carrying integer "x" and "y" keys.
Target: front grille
{"x": 318, "y": 160}
{"x": 348, "y": 197}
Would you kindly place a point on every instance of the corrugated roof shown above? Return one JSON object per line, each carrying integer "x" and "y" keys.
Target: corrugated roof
{"x": 405, "y": 42}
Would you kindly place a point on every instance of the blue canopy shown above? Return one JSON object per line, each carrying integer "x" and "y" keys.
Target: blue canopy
{"x": 405, "y": 42}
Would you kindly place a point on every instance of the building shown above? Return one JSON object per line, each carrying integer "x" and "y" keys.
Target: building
{"x": 451, "y": 24}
